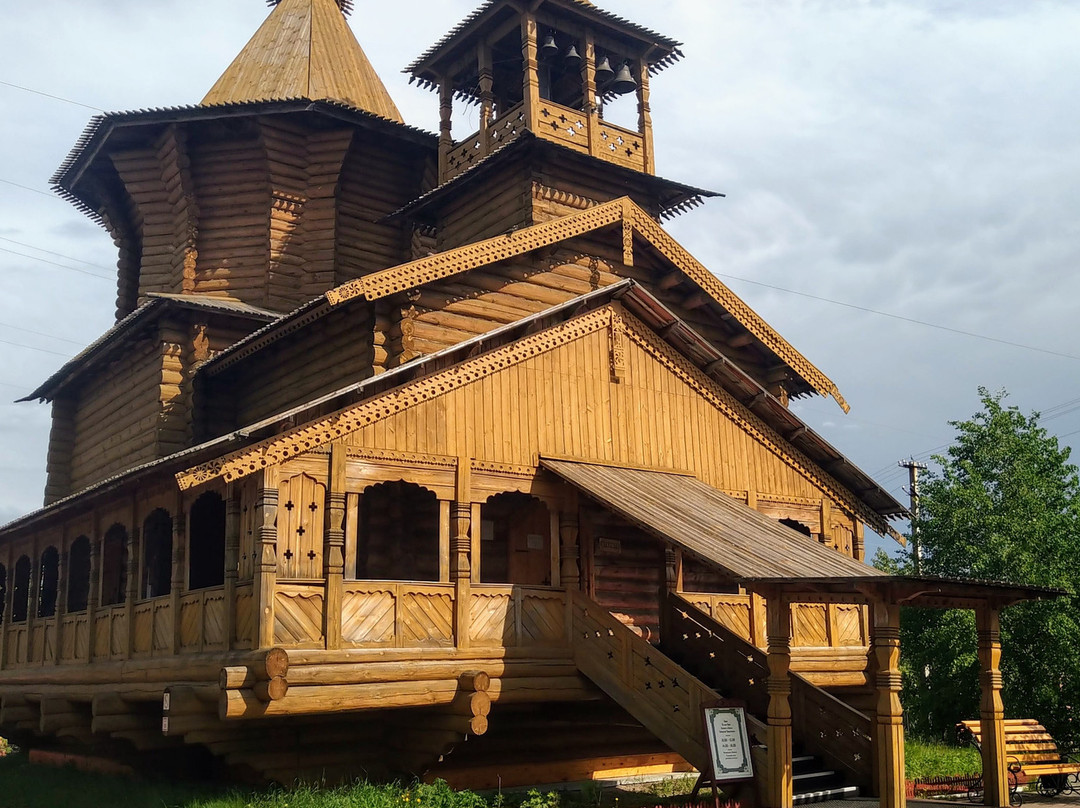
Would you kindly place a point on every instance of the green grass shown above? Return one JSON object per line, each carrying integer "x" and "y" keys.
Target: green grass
{"x": 924, "y": 759}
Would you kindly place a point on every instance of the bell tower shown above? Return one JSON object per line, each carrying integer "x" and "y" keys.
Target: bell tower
{"x": 541, "y": 75}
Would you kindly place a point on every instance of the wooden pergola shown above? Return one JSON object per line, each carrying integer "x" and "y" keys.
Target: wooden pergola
{"x": 884, "y": 595}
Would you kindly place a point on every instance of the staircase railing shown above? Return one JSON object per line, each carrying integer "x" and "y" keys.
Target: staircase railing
{"x": 824, "y": 725}
{"x": 655, "y": 690}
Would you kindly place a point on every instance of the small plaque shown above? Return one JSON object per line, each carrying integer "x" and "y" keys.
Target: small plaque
{"x": 729, "y": 744}
{"x": 609, "y": 546}
{"x": 534, "y": 541}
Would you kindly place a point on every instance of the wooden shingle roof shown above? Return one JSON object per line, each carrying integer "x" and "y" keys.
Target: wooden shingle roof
{"x": 304, "y": 50}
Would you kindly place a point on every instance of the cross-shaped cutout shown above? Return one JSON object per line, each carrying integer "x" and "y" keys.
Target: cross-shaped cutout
{"x": 311, "y": 555}
{"x": 313, "y": 507}
{"x": 288, "y": 555}
{"x": 300, "y": 531}
{"x": 610, "y": 654}
{"x": 660, "y": 684}
{"x": 648, "y": 662}
{"x": 675, "y": 708}
{"x": 648, "y": 685}
{"x": 289, "y": 506}
{"x": 675, "y": 683}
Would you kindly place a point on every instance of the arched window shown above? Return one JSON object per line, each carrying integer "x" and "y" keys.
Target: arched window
{"x": 3, "y": 589}
{"x": 78, "y": 582}
{"x": 20, "y": 602}
{"x": 157, "y": 554}
{"x": 796, "y": 525}
{"x": 399, "y": 533}
{"x": 49, "y": 582}
{"x": 206, "y": 542}
{"x": 515, "y": 540}
{"x": 114, "y": 561}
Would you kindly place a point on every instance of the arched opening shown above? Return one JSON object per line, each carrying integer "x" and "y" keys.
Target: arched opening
{"x": 78, "y": 582}
{"x": 49, "y": 582}
{"x": 157, "y": 554}
{"x": 398, "y": 537}
{"x": 114, "y": 561}
{"x": 3, "y": 589}
{"x": 206, "y": 542}
{"x": 20, "y": 595}
{"x": 515, "y": 540}
{"x": 794, "y": 524}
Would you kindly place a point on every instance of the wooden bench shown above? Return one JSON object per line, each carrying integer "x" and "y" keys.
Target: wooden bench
{"x": 1030, "y": 752}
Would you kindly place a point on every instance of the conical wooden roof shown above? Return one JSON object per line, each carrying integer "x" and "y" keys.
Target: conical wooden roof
{"x": 305, "y": 49}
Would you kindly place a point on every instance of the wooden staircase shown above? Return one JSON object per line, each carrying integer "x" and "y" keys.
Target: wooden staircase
{"x": 833, "y": 741}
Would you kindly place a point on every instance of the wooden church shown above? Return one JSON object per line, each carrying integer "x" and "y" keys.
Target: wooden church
{"x": 418, "y": 455}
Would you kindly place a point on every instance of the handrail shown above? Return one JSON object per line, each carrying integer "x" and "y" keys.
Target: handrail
{"x": 826, "y": 726}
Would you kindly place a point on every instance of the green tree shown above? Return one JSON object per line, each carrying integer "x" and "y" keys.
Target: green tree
{"x": 1004, "y": 506}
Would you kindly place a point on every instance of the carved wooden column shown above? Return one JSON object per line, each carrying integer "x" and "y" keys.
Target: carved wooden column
{"x": 588, "y": 90}
{"x": 34, "y": 588}
{"x": 93, "y": 596}
{"x": 334, "y": 546}
{"x": 530, "y": 86}
{"x": 178, "y": 571}
{"x": 232, "y": 559}
{"x": 779, "y": 787}
{"x": 991, "y": 709}
{"x": 9, "y": 591}
{"x": 444, "y": 540}
{"x": 266, "y": 507}
{"x": 446, "y": 138}
{"x": 645, "y": 118}
{"x": 131, "y": 590}
{"x": 669, "y": 588}
{"x": 570, "y": 552}
{"x": 888, "y": 740}
{"x": 61, "y": 599}
{"x": 487, "y": 98}
{"x": 461, "y": 550}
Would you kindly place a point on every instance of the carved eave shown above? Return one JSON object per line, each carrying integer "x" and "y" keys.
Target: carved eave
{"x": 452, "y": 55}
{"x": 637, "y": 226}
{"x": 657, "y": 330}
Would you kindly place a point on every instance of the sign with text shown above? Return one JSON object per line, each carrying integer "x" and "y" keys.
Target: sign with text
{"x": 729, "y": 744}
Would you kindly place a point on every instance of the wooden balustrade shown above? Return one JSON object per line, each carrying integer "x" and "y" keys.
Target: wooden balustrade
{"x": 564, "y": 125}
{"x": 202, "y": 620}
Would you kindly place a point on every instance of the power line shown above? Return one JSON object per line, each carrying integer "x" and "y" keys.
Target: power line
{"x": 58, "y": 255}
{"x": 50, "y": 95}
{"x": 53, "y": 263}
{"x": 33, "y": 348}
{"x": 41, "y": 333}
{"x": 902, "y": 318}
{"x": 34, "y": 190}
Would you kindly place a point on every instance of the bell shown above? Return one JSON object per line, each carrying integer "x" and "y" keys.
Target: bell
{"x": 549, "y": 48}
{"x": 572, "y": 57}
{"x": 623, "y": 82}
{"x": 604, "y": 72}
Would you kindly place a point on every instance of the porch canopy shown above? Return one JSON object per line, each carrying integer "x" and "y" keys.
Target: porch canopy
{"x": 786, "y": 566}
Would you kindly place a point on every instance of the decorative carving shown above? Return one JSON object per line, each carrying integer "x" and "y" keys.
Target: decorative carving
{"x": 617, "y": 347}
{"x": 410, "y": 459}
{"x": 504, "y": 469}
{"x": 546, "y": 193}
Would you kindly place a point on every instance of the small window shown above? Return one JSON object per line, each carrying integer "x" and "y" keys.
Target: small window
{"x": 48, "y": 582}
{"x": 157, "y": 554}
{"x": 20, "y": 603}
{"x": 78, "y": 584}
{"x": 796, "y": 525}
{"x": 114, "y": 561}
{"x": 206, "y": 542}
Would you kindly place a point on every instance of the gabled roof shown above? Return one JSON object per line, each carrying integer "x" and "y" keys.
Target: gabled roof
{"x": 619, "y": 211}
{"x": 131, "y": 325}
{"x": 305, "y": 49}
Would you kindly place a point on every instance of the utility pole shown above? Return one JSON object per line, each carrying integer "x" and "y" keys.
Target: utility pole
{"x": 913, "y": 476}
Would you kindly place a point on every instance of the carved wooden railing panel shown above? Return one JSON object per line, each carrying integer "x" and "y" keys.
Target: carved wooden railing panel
{"x": 298, "y": 614}
{"x": 111, "y": 632}
{"x": 153, "y": 627}
{"x": 809, "y": 625}
{"x": 244, "y": 621}
{"x": 202, "y": 620}
{"x": 397, "y": 614}
{"x": 516, "y": 616}
{"x": 621, "y": 146}
{"x": 851, "y": 626}
{"x": 565, "y": 125}
{"x": 39, "y": 642}
{"x": 822, "y": 723}
{"x": 471, "y": 150}
{"x": 650, "y": 686}
{"x": 75, "y": 637}
{"x": 17, "y": 645}
{"x": 733, "y": 612}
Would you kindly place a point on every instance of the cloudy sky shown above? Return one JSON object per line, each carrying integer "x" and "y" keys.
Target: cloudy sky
{"x": 901, "y": 180}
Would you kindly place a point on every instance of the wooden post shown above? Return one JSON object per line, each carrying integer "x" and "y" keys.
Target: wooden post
{"x": 461, "y": 550}
{"x": 991, "y": 709}
{"x": 444, "y": 541}
{"x": 569, "y": 569}
{"x": 487, "y": 98}
{"x": 645, "y": 118}
{"x": 530, "y": 87}
{"x": 779, "y": 787}
{"x": 334, "y": 546}
{"x": 32, "y": 599}
{"x": 131, "y": 592}
{"x": 61, "y": 597}
{"x": 588, "y": 85}
{"x": 9, "y": 599}
{"x": 93, "y": 599}
{"x": 178, "y": 574}
{"x": 266, "y": 507}
{"x": 888, "y": 740}
{"x": 446, "y": 138}
{"x": 232, "y": 559}
{"x": 670, "y": 587}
